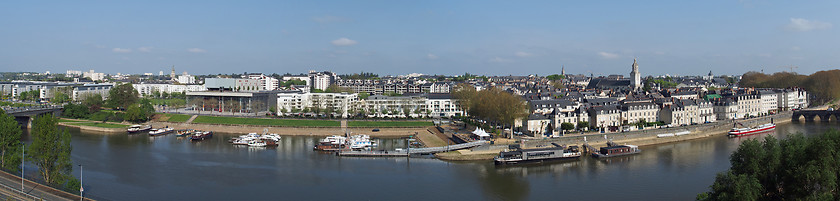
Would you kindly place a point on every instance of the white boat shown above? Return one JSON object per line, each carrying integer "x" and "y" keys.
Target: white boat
{"x": 256, "y": 143}
{"x": 161, "y": 131}
{"x": 750, "y": 131}
{"x": 271, "y": 136}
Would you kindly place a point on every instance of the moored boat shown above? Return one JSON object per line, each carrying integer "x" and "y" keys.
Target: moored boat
{"x": 161, "y": 131}
{"x": 737, "y": 132}
{"x": 201, "y": 135}
{"x": 185, "y": 132}
{"x": 138, "y": 128}
{"x": 616, "y": 150}
{"x": 538, "y": 155}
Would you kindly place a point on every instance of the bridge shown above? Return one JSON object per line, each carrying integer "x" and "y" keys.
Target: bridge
{"x": 24, "y": 114}
{"x": 810, "y": 115}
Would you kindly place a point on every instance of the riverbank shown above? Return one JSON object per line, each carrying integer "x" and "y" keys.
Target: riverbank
{"x": 294, "y": 131}
{"x": 93, "y": 125}
{"x": 640, "y": 138}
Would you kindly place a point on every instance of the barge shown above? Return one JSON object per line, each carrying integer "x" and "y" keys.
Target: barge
{"x": 616, "y": 150}
{"x": 738, "y": 132}
{"x": 138, "y": 128}
{"x": 538, "y": 155}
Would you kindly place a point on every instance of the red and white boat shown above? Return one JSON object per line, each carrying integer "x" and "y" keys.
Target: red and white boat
{"x": 750, "y": 131}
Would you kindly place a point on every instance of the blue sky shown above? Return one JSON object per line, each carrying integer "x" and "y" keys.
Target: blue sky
{"x": 430, "y": 37}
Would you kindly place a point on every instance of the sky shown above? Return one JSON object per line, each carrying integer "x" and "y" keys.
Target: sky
{"x": 392, "y": 37}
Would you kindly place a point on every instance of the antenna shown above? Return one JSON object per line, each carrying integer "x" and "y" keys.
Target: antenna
{"x": 791, "y": 67}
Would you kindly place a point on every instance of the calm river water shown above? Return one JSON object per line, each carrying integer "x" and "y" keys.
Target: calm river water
{"x": 139, "y": 167}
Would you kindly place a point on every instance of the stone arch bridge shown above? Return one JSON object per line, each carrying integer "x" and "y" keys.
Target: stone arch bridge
{"x": 810, "y": 115}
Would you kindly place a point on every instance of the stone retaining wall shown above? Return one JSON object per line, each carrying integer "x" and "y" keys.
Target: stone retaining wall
{"x": 650, "y": 135}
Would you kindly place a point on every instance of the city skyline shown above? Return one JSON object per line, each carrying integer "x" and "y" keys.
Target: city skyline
{"x": 397, "y": 38}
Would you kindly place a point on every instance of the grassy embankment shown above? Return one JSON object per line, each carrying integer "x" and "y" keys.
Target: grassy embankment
{"x": 100, "y": 125}
{"x": 387, "y": 124}
{"x": 176, "y": 118}
{"x": 266, "y": 122}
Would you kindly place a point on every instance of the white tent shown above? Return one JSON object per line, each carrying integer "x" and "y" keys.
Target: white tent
{"x": 481, "y": 133}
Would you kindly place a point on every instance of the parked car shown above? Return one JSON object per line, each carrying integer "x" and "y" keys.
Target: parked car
{"x": 375, "y": 130}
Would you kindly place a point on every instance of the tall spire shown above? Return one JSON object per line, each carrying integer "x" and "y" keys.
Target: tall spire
{"x": 562, "y": 70}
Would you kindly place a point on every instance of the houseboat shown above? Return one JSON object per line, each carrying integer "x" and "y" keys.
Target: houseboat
{"x": 737, "y": 132}
{"x": 537, "y": 155}
{"x": 614, "y": 150}
{"x": 201, "y": 135}
{"x": 139, "y": 128}
{"x": 331, "y": 143}
{"x": 161, "y": 131}
{"x": 184, "y": 133}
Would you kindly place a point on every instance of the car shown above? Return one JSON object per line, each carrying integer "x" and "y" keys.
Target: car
{"x": 375, "y": 130}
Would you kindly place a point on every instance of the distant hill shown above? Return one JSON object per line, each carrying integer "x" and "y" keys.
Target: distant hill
{"x": 824, "y": 85}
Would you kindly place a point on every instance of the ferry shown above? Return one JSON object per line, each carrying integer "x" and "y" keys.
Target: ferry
{"x": 139, "y": 128}
{"x": 737, "y": 132}
{"x": 614, "y": 150}
{"x": 538, "y": 155}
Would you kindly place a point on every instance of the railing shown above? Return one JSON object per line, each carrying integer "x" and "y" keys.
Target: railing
{"x": 446, "y": 148}
{"x": 10, "y": 110}
{"x": 19, "y": 193}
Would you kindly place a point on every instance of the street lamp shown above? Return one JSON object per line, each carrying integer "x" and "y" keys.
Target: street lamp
{"x": 22, "y": 159}
{"x": 81, "y": 182}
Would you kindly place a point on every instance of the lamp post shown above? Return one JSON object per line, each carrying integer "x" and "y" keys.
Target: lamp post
{"x": 22, "y": 160}
{"x": 81, "y": 182}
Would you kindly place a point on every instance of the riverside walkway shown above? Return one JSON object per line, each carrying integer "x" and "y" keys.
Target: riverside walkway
{"x": 10, "y": 188}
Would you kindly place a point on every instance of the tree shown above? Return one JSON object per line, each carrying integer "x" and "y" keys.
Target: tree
{"x": 122, "y": 95}
{"x": 555, "y": 77}
{"x": 10, "y": 144}
{"x": 582, "y": 124}
{"x": 363, "y": 95}
{"x": 60, "y": 97}
{"x": 76, "y": 111}
{"x": 134, "y": 114}
{"x": 93, "y": 103}
{"x": 567, "y": 126}
{"x": 50, "y": 149}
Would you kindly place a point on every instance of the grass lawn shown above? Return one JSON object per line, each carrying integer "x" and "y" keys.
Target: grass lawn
{"x": 101, "y": 125}
{"x": 68, "y": 120}
{"x": 385, "y": 124}
{"x": 266, "y": 122}
{"x": 178, "y": 118}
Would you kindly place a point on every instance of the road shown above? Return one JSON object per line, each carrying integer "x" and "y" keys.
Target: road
{"x": 8, "y": 181}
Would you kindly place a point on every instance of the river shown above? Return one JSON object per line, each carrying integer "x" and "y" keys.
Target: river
{"x": 139, "y": 167}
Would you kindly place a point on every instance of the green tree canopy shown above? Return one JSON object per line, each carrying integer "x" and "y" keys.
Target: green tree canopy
{"x": 122, "y": 95}
{"x": 50, "y": 149}
{"x": 10, "y": 144}
{"x": 93, "y": 102}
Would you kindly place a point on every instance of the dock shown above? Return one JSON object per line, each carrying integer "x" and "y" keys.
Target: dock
{"x": 414, "y": 151}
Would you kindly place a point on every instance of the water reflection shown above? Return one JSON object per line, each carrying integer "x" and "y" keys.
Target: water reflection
{"x": 139, "y": 167}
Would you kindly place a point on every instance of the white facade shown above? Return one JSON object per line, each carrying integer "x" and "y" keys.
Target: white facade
{"x": 94, "y": 76}
{"x": 149, "y": 89}
{"x": 634, "y": 112}
{"x": 339, "y": 103}
{"x": 769, "y": 101}
{"x": 186, "y": 79}
{"x": 635, "y": 77}
{"x": 604, "y": 116}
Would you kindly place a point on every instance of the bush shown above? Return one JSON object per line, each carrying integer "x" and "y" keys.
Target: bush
{"x": 100, "y": 116}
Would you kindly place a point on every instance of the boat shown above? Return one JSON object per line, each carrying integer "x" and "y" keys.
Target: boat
{"x": 737, "y": 132}
{"x": 185, "y": 132}
{"x": 138, "y": 128}
{"x": 331, "y": 143}
{"x": 201, "y": 135}
{"x": 538, "y": 155}
{"x": 257, "y": 143}
{"x": 271, "y": 136}
{"x": 614, "y": 150}
{"x": 161, "y": 131}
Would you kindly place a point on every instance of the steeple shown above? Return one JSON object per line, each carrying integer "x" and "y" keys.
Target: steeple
{"x": 562, "y": 70}
{"x": 635, "y": 76}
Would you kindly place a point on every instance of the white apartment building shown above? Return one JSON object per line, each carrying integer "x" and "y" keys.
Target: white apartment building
{"x": 769, "y": 101}
{"x": 341, "y": 104}
{"x": 687, "y": 111}
{"x": 395, "y": 106}
{"x": 634, "y": 112}
{"x": 604, "y": 116}
{"x": 186, "y": 79}
{"x": 790, "y": 99}
{"x": 443, "y": 105}
{"x": 93, "y": 75}
{"x": 149, "y": 89}
{"x": 80, "y": 92}
{"x": 737, "y": 107}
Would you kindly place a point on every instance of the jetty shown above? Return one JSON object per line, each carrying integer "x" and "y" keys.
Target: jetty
{"x": 412, "y": 151}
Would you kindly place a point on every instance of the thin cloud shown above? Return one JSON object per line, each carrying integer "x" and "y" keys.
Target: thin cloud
{"x": 500, "y": 60}
{"x": 196, "y": 50}
{"x": 145, "y": 49}
{"x": 121, "y": 50}
{"x": 607, "y": 55}
{"x": 329, "y": 19}
{"x": 431, "y": 56}
{"x": 344, "y": 42}
{"x": 799, "y": 24}
{"x": 523, "y": 54}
